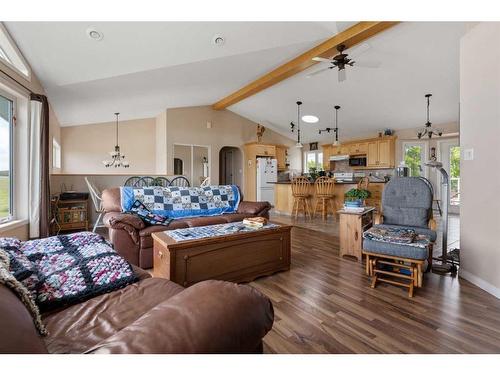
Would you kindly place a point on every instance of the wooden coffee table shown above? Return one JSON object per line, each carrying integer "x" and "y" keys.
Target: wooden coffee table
{"x": 237, "y": 257}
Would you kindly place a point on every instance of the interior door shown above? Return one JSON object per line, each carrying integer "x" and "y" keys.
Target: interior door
{"x": 228, "y": 167}
{"x": 450, "y": 157}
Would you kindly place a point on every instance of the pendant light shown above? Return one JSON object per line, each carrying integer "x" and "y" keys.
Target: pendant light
{"x": 336, "y": 129}
{"x": 117, "y": 159}
{"x": 428, "y": 130}
{"x": 298, "y": 144}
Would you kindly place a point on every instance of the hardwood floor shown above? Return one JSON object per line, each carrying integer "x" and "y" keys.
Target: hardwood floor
{"x": 324, "y": 305}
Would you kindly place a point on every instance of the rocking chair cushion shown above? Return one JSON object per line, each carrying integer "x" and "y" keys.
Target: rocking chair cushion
{"x": 397, "y": 250}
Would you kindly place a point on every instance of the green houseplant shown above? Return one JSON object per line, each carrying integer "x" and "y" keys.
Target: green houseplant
{"x": 356, "y": 197}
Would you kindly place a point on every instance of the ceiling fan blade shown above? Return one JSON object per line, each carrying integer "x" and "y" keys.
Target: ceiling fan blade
{"x": 367, "y": 64}
{"x": 318, "y": 71}
{"x": 359, "y": 50}
{"x": 342, "y": 75}
{"x": 321, "y": 59}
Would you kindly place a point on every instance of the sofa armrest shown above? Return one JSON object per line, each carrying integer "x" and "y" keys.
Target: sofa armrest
{"x": 208, "y": 317}
{"x": 117, "y": 220}
{"x": 254, "y": 208}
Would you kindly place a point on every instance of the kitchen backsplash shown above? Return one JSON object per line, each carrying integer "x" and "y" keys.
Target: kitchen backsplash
{"x": 343, "y": 166}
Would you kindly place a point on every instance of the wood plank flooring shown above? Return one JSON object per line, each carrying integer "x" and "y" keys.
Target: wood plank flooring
{"x": 324, "y": 305}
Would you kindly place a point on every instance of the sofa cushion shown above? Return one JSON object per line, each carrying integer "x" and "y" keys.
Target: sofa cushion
{"x": 231, "y": 218}
{"x": 205, "y": 220}
{"x": 78, "y": 328}
{"x": 111, "y": 200}
{"x": 253, "y": 208}
{"x": 175, "y": 224}
{"x": 19, "y": 334}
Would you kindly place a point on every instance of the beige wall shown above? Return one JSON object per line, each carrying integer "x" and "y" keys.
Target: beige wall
{"x": 84, "y": 147}
{"x": 161, "y": 143}
{"x": 480, "y": 132}
{"x": 189, "y": 126}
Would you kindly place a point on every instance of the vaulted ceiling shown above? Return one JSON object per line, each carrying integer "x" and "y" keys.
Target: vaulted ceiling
{"x": 139, "y": 69}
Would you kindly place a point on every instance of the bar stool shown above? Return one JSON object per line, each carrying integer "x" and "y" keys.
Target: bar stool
{"x": 324, "y": 188}
{"x": 363, "y": 183}
{"x": 301, "y": 194}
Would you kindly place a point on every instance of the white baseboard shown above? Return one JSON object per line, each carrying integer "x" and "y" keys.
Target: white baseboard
{"x": 480, "y": 283}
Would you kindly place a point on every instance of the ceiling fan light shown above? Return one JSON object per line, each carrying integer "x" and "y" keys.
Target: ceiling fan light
{"x": 298, "y": 145}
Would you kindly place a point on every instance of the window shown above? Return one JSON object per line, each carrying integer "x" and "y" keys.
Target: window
{"x": 56, "y": 154}
{"x": 6, "y": 152}
{"x": 11, "y": 55}
{"x": 414, "y": 156}
{"x": 313, "y": 159}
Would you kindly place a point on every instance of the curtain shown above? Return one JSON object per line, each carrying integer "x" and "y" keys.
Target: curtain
{"x": 39, "y": 215}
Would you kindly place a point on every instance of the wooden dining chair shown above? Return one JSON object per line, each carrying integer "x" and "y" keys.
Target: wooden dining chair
{"x": 324, "y": 188}
{"x": 301, "y": 194}
{"x": 364, "y": 183}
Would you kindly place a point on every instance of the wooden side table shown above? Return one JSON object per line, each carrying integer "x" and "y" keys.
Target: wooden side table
{"x": 352, "y": 226}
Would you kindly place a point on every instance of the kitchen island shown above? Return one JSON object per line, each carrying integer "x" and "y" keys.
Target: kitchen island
{"x": 283, "y": 198}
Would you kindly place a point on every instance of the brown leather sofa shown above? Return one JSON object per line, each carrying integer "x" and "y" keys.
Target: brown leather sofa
{"x": 152, "y": 315}
{"x": 132, "y": 239}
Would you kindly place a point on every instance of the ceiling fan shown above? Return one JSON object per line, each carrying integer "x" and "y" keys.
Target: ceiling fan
{"x": 342, "y": 60}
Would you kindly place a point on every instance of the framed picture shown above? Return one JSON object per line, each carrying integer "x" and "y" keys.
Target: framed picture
{"x": 313, "y": 146}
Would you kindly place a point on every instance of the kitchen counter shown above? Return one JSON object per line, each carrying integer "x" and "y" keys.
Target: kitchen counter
{"x": 336, "y": 182}
{"x": 283, "y": 198}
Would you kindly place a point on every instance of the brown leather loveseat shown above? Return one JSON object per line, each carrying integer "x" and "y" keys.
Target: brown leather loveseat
{"x": 132, "y": 239}
{"x": 152, "y": 315}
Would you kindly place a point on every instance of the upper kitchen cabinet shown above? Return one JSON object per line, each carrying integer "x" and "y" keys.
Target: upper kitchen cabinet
{"x": 358, "y": 148}
{"x": 381, "y": 153}
{"x": 281, "y": 157}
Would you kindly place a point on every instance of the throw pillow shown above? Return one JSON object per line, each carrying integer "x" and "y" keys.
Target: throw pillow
{"x": 147, "y": 216}
{"x": 8, "y": 279}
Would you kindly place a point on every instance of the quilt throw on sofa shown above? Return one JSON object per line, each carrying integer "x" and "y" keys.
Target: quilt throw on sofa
{"x": 67, "y": 269}
{"x": 182, "y": 202}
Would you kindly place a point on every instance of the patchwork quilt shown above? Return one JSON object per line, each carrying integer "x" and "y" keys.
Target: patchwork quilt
{"x": 398, "y": 236}
{"x": 67, "y": 269}
{"x": 181, "y": 202}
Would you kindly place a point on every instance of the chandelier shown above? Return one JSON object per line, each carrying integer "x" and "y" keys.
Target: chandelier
{"x": 336, "y": 129}
{"x": 298, "y": 144}
{"x": 117, "y": 159}
{"x": 428, "y": 130}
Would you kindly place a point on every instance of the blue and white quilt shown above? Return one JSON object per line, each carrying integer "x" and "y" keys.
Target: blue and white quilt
{"x": 182, "y": 202}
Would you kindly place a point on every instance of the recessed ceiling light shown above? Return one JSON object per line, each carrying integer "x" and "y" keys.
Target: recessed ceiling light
{"x": 310, "y": 119}
{"x": 218, "y": 40}
{"x": 93, "y": 34}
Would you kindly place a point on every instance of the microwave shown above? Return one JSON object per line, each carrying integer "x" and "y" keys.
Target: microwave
{"x": 359, "y": 161}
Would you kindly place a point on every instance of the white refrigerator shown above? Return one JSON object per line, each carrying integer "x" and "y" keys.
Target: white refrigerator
{"x": 267, "y": 172}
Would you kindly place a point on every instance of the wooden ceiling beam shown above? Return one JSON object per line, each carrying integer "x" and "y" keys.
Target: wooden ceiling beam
{"x": 349, "y": 37}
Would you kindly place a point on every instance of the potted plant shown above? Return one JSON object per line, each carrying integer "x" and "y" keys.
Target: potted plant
{"x": 356, "y": 197}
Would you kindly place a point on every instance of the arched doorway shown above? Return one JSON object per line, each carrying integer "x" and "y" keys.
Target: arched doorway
{"x": 230, "y": 166}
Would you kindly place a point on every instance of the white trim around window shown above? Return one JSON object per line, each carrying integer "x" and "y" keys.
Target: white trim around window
{"x": 424, "y": 155}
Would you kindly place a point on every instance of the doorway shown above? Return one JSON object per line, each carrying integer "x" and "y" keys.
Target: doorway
{"x": 449, "y": 152}
{"x": 230, "y": 166}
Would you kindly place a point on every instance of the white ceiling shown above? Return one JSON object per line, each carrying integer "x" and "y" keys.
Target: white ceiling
{"x": 416, "y": 59}
{"x": 139, "y": 69}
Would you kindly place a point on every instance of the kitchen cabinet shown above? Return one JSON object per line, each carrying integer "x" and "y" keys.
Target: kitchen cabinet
{"x": 380, "y": 153}
{"x": 281, "y": 157}
{"x": 327, "y": 152}
{"x": 358, "y": 148}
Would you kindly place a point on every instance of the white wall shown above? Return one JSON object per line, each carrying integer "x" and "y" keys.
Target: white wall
{"x": 480, "y": 131}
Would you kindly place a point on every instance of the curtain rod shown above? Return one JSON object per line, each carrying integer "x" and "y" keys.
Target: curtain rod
{"x": 16, "y": 81}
